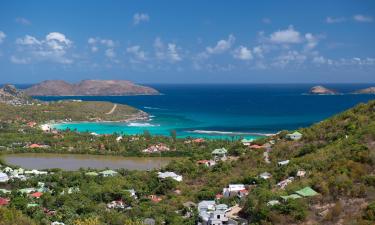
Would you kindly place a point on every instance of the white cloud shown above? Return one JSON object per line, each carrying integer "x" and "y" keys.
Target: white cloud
{"x": 362, "y": 18}
{"x": 52, "y": 48}
{"x": 242, "y": 53}
{"x": 290, "y": 57}
{"x": 110, "y": 53}
{"x": 288, "y": 36}
{"x": 168, "y": 52}
{"x": 331, "y": 20}
{"x": 140, "y": 17}
{"x": 312, "y": 41}
{"x": 23, "y": 21}
{"x": 137, "y": 52}
{"x": 2, "y": 37}
{"x": 222, "y": 45}
{"x": 258, "y": 51}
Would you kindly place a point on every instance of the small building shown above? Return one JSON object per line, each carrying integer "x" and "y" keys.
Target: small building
{"x": 5, "y": 191}
{"x": 3, "y": 177}
{"x": 206, "y": 162}
{"x": 108, "y": 173}
{"x": 265, "y": 175}
{"x": 198, "y": 140}
{"x": 256, "y": 147}
{"x": 132, "y": 193}
{"x": 119, "y": 204}
{"x": 36, "y": 194}
{"x": 294, "y": 136}
{"x": 155, "y": 198}
{"x": 247, "y": 142}
{"x": 301, "y": 173}
{"x": 212, "y": 214}
{"x": 233, "y": 190}
{"x": 174, "y": 176}
{"x": 282, "y": 184}
{"x": 4, "y": 201}
{"x": 119, "y": 138}
{"x": 220, "y": 154}
{"x": 273, "y": 203}
{"x": 307, "y": 192}
{"x": 292, "y": 196}
{"x": 27, "y": 190}
{"x": 91, "y": 174}
{"x": 283, "y": 163}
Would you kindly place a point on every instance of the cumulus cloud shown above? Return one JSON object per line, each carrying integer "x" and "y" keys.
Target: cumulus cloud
{"x": 312, "y": 41}
{"x": 52, "y": 48}
{"x": 110, "y": 53}
{"x": 108, "y": 46}
{"x": 363, "y": 18}
{"x": 331, "y": 20}
{"x": 140, "y": 17}
{"x": 168, "y": 52}
{"x": 242, "y": 53}
{"x": 288, "y": 36}
{"x": 22, "y": 21}
{"x": 137, "y": 53}
{"x": 2, "y": 36}
{"x": 222, "y": 45}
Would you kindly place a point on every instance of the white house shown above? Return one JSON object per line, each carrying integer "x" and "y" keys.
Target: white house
{"x": 301, "y": 173}
{"x": 3, "y": 177}
{"x": 7, "y": 170}
{"x": 283, "y": 163}
{"x": 233, "y": 189}
{"x": 172, "y": 175}
{"x": 119, "y": 138}
{"x": 212, "y": 214}
{"x": 265, "y": 175}
{"x": 132, "y": 193}
{"x": 294, "y": 136}
{"x": 282, "y": 184}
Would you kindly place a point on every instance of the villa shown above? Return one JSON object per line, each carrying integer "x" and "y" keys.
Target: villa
{"x": 294, "y": 136}
{"x": 247, "y": 142}
{"x": 282, "y": 184}
{"x": 3, "y": 177}
{"x": 212, "y": 214}
{"x": 172, "y": 175}
{"x": 265, "y": 175}
{"x": 108, "y": 173}
{"x": 156, "y": 148}
{"x": 206, "y": 162}
{"x": 36, "y": 194}
{"x": 220, "y": 154}
{"x": 283, "y": 163}
{"x": 119, "y": 204}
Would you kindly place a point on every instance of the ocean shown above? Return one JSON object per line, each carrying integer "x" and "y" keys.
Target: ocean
{"x": 225, "y": 111}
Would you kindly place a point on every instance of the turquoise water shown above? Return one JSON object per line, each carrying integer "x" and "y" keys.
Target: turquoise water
{"x": 225, "y": 111}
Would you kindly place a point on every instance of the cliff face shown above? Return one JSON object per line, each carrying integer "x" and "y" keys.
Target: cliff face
{"x": 89, "y": 88}
{"x": 9, "y": 94}
{"x": 320, "y": 90}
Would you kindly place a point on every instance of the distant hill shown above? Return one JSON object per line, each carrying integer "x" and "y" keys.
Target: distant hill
{"x": 89, "y": 88}
{"x": 370, "y": 90}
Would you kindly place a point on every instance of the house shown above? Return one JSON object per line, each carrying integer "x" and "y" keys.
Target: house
{"x": 7, "y": 170}
{"x": 35, "y": 172}
{"x": 256, "y": 147}
{"x": 292, "y": 196}
{"x": 219, "y": 154}
{"x": 246, "y": 142}
{"x": 4, "y": 201}
{"x": 294, "y": 136}
{"x": 265, "y": 175}
{"x": 301, "y": 173}
{"x": 119, "y": 138}
{"x": 307, "y": 192}
{"x": 206, "y": 162}
{"x": 31, "y": 124}
{"x": 273, "y": 202}
{"x": 37, "y": 146}
{"x": 108, "y": 173}
{"x": 36, "y": 194}
{"x": 3, "y": 177}
{"x": 282, "y": 184}
{"x": 233, "y": 190}
{"x": 198, "y": 140}
{"x": 27, "y": 190}
{"x": 155, "y": 198}
{"x": 156, "y": 148}
{"x": 119, "y": 204}
{"x": 283, "y": 163}
{"x": 172, "y": 175}
{"x": 5, "y": 191}
{"x": 212, "y": 214}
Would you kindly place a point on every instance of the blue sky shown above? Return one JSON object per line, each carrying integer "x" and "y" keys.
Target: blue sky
{"x": 188, "y": 41}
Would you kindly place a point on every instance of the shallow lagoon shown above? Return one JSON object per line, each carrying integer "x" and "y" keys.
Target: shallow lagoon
{"x": 72, "y": 162}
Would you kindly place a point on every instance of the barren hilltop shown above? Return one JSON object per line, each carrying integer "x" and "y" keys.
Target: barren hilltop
{"x": 89, "y": 88}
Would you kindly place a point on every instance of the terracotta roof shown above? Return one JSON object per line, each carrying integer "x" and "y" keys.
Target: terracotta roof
{"x": 36, "y": 194}
{"x": 4, "y": 201}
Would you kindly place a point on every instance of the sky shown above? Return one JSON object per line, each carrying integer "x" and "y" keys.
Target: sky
{"x": 188, "y": 41}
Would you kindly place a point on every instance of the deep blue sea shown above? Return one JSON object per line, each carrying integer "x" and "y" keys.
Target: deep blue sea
{"x": 217, "y": 111}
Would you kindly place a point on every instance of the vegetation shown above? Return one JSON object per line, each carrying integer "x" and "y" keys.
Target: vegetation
{"x": 337, "y": 154}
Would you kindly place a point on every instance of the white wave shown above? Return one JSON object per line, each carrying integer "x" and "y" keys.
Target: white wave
{"x": 213, "y": 132}
{"x": 134, "y": 124}
{"x": 149, "y": 107}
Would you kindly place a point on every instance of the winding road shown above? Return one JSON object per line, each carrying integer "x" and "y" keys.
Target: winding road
{"x": 112, "y": 110}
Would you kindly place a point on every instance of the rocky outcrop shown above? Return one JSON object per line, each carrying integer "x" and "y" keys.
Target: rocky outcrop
{"x": 320, "y": 90}
{"x": 370, "y": 90}
{"x": 10, "y": 95}
{"x": 89, "y": 88}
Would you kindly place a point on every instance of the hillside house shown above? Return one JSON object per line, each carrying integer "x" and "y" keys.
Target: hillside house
{"x": 220, "y": 154}
{"x": 294, "y": 136}
{"x": 174, "y": 176}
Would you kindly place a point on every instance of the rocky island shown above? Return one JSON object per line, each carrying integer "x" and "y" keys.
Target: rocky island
{"x": 370, "y": 90}
{"x": 89, "y": 88}
{"x": 321, "y": 90}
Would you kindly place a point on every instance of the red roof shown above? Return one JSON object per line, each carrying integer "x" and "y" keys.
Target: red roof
{"x": 203, "y": 161}
{"x": 219, "y": 196}
{"x": 256, "y": 146}
{"x": 36, "y": 194}
{"x": 155, "y": 198}
{"x": 34, "y": 146}
{"x": 199, "y": 140}
{"x": 4, "y": 201}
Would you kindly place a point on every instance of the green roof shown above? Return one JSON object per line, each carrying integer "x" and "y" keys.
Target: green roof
{"x": 296, "y": 133}
{"x": 292, "y": 196}
{"x": 307, "y": 192}
{"x": 219, "y": 151}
